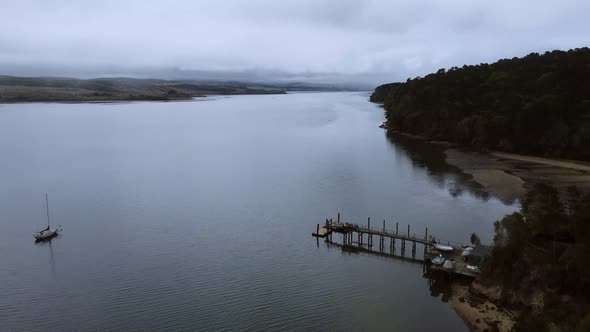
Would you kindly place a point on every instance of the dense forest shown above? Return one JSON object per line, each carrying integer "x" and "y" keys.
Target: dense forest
{"x": 539, "y": 104}
{"x": 541, "y": 261}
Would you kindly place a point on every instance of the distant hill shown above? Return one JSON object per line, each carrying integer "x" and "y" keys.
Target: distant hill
{"x": 35, "y": 89}
{"x": 539, "y": 104}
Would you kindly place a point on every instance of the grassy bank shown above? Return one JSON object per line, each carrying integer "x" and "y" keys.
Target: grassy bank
{"x": 51, "y": 89}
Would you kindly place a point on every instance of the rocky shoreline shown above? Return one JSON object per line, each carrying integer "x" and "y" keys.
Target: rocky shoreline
{"x": 476, "y": 309}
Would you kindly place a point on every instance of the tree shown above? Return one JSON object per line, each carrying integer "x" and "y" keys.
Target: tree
{"x": 535, "y": 105}
{"x": 543, "y": 210}
{"x": 475, "y": 239}
{"x": 544, "y": 249}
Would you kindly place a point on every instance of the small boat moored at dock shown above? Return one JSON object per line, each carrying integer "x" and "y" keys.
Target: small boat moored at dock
{"x": 472, "y": 268}
{"x": 442, "y": 247}
{"x": 438, "y": 260}
{"x": 449, "y": 265}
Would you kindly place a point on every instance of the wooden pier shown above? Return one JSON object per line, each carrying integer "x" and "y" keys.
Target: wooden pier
{"x": 361, "y": 238}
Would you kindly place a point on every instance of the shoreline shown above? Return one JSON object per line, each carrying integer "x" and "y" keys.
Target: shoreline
{"x": 495, "y": 177}
{"x": 510, "y": 175}
{"x": 478, "y": 312}
{"x": 93, "y": 101}
{"x": 507, "y": 176}
{"x": 128, "y": 100}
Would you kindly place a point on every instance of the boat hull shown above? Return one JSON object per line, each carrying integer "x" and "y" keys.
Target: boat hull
{"x": 442, "y": 247}
{"x": 45, "y": 235}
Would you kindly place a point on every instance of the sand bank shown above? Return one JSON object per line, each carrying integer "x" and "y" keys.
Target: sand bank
{"x": 478, "y": 313}
{"x": 510, "y": 175}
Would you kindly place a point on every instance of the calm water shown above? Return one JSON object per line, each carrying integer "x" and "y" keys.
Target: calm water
{"x": 198, "y": 215}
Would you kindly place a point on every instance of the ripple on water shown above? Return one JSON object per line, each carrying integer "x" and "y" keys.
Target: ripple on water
{"x": 197, "y": 216}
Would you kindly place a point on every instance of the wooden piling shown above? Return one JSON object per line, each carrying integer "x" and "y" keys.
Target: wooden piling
{"x": 347, "y": 230}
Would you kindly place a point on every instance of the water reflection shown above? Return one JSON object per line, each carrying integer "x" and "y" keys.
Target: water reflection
{"x": 439, "y": 283}
{"x": 431, "y": 157}
{"x": 357, "y": 250}
{"x": 198, "y": 200}
{"x": 47, "y": 243}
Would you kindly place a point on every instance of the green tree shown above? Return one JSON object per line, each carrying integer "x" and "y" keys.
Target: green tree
{"x": 543, "y": 210}
{"x": 474, "y": 239}
{"x": 536, "y": 105}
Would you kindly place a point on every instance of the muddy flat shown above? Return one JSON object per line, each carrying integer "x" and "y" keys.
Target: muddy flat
{"x": 478, "y": 313}
{"x": 509, "y": 175}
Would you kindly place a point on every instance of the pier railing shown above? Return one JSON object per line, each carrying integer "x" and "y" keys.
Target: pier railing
{"x": 364, "y": 243}
{"x": 330, "y": 226}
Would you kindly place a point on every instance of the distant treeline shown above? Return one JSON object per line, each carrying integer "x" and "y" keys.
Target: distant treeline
{"x": 539, "y": 104}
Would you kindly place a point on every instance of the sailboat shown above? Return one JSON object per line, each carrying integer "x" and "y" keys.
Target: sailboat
{"x": 48, "y": 232}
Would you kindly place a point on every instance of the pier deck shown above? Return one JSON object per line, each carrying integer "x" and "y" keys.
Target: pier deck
{"x": 460, "y": 266}
{"x": 364, "y": 243}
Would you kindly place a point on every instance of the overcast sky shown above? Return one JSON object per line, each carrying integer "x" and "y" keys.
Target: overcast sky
{"x": 323, "y": 40}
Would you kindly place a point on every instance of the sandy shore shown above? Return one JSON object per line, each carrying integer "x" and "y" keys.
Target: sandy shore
{"x": 493, "y": 175}
{"x": 510, "y": 175}
{"x": 478, "y": 313}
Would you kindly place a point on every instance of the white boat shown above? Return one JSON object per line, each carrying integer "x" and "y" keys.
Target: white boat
{"x": 45, "y": 234}
{"x": 48, "y": 232}
{"x": 438, "y": 260}
{"x": 472, "y": 268}
{"x": 449, "y": 265}
{"x": 466, "y": 252}
{"x": 443, "y": 247}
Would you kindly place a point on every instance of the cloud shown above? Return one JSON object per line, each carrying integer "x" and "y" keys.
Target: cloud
{"x": 374, "y": 41}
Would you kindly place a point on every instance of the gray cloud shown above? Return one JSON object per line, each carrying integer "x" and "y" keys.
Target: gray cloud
{"x": 331, "y": 40}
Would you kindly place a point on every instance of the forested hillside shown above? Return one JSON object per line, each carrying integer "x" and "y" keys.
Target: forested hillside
{"x": 539, "y": 104}
{"x": 540, "y": 261}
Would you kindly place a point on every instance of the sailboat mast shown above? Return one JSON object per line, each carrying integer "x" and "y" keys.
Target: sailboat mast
{"x": 47, "y": 208}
